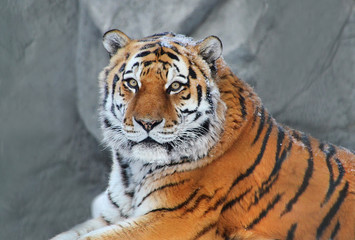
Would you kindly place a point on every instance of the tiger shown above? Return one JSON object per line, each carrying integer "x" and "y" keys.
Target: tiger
{"x": 196, "y": 155}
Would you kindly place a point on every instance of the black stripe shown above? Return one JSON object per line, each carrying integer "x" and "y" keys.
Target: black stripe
{"x": 307, "y": 176}
{"x": 192, "y": 73}
{"x": 258, "y": 158}
{"x": 135, "y": 65}
{"x": 113, "y": 109}
{"x": 335, "y": 230}
{"x": 156, "y": 35}
{"x": 129, "y": 194}
{"x": 199, "y": 199}
{"x": 108, "y": 222}
{"x": 164, "y": 62}
{"x": 264, "y": 189}
{"x": 197, "y": 202}
{"x": 188, "y": 96}
{"x": 115, "y": 204}
{"x": 255, "y": 116}
{"x": 161, "y": 188}
{"x": 173, "y": 56}
{"x": 332, "y": 211}
{"x": 175, "y": 49}
{"x": 122, "y": 67}
{"x": 147, "y": 63}
{"x": 125, "y": 178}
{"x": 124, "y": 171}
{"x": 279, "y": 158}
{"x": 143, "y": 54}
{"x": 184, "y": 203}
{"x": 115, "y": 80}
{"x": 147, "y": 40}
{"x": 107, "y": 123}
{"x": 291, "y": 232}
{"x": 330, "y": 152}
{"x": 205, "y": 127}
{"x": 199, "y": 131}
{"x": 198, "y": 115}
{"x": 199, "y": 94}
{"x": 216, "y": 205}
{"x": 114, "y": 83}
{"x": 213, "y": 69}
{"x": 205, "y": 230}
{"x": 229, "y": 92}
{"x": 200, "y": 69}
{"x": 157, "y": 52}
{"x": 265, "y": 211}
{"x": 183, "y": 160}
{"x": 105, "y": 94}
{"x": 187, "y": 84}
{"x": 180, "y": 43}
{"x": 232, "y": 202}
{"x": 149, "y": 45}
{"x": 106, "y": 72}
{"x": 177, "y": 68}
{"x": 280, "y": 138}
{"x": 261, "y": 124}
{"x": 267, "y": 184}
{"x": 189, "y": 112}
{"x": 119, "y": 106}
{"x": 209, "y": 99}
{"x": 209, "y": 96}
{"x": 242, "y": 106}
{"x": 111, "y": 200}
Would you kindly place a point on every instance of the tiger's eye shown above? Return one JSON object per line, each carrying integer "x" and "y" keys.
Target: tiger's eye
{"x": 132, "y": 83}
{"x": 175, "y": 86}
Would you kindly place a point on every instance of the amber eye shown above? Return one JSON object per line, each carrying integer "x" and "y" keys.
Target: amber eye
{"x": 132, "y": 83}
{"x": 175, "y": 86}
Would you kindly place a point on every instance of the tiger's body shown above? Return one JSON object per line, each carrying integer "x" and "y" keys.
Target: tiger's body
{"x": 197, "y": 156}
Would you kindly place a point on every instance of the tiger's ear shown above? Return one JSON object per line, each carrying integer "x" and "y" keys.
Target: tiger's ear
{"x": 114, "y": 40}
{"x": 210, "y": 48}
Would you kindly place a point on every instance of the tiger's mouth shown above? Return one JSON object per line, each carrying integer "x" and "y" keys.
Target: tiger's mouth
{"x": 151, "y": 143}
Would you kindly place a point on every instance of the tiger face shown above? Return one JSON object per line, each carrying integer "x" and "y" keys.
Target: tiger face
{"x": 161, "y": 103}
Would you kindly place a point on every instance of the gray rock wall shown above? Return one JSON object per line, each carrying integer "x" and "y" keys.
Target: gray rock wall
{"x": 298, "y": 55}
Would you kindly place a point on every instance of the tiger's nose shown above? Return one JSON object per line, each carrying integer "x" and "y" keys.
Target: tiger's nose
{"x": 148, "y": 125}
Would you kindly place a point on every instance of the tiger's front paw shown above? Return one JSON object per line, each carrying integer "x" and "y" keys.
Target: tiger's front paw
{"x": 105, "y": 233}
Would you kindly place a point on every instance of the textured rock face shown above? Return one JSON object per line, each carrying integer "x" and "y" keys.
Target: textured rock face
{"x": 298, "y": 55}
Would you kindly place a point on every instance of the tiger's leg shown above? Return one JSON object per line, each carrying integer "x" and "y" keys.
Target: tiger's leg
{"x": 158, "y": 225}
{"x": 81, "y": 229}
{"x": 101, "y": 206}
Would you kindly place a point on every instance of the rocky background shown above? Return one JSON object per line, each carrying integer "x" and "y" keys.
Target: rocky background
{"x": 298, "y": 55}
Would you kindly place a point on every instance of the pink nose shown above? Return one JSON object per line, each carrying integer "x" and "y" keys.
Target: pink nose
{"x": 148, "y": 124}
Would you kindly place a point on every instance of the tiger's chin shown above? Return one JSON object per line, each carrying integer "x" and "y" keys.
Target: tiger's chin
{"x": 150, "y": 153}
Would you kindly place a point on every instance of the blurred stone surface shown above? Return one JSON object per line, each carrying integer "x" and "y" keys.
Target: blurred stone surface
{"x": 298, "y": 55}
{"x": 50, "y": 166}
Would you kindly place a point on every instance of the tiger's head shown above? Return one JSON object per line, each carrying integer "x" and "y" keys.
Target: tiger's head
{"x": 160, "y": 100}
